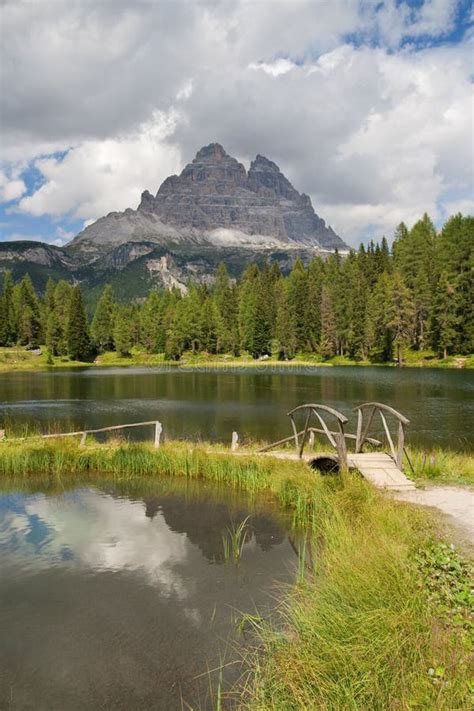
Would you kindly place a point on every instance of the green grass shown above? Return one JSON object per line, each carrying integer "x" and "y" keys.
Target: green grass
{"x": 365, "y": 631}
{"x": 379, "y": 622}
{"x": 16, "y": 358}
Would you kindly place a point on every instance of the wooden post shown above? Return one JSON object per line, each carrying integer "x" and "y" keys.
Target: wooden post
{"x": 2, "y": 434}
{"x": 158, "y": 431}
{"x": 358, "y": 446}
{"x": 83, "y": 439}
{"x": 311, "y": 439}
{"x": 401, "y": 445}
{"x": 235, "y": 441}
{"x": 341, "y": 448}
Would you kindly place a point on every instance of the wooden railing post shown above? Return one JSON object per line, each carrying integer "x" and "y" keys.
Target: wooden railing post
{"x": 158, "y": 431}
{"x": 401, "y": 445}
{"x": 235, "y": 442}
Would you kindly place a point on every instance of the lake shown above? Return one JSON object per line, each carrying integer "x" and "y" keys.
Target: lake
{"x": 119, "y": 597}
{"x": 211, "y": 404}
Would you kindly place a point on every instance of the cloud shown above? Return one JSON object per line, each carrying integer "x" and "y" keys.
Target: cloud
{"x": 279, "y": 66}
{"x": 98, "y": 177}
{"x": 97, "y": 532}
{"x": 358, "y": 102}
{"x": 10, "y": 189}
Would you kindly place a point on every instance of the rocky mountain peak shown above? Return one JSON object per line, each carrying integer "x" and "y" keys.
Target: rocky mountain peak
{"x": 213, "y": 152}
{"x": 215, "y": 199}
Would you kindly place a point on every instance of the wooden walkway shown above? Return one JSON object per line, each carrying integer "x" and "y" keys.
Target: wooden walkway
{"x": 377, "y": 467}
{"x": 382, "y": 469}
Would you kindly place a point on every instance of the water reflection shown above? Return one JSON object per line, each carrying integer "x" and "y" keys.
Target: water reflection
{"x": 122, "y": 601}
{"x": 213, "y": 404}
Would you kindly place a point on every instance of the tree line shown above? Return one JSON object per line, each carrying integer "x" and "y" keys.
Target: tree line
{"x": 371, "y": 304}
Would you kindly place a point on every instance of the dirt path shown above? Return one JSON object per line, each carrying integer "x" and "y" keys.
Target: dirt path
{"x": 456, "y": 502}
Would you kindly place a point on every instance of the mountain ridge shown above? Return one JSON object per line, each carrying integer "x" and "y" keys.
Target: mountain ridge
{"x": 214, "y": 209}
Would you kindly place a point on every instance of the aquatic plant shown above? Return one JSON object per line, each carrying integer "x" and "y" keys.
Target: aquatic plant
{"x": 234, "y": 539}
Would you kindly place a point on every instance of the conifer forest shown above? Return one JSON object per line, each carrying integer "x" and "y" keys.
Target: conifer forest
{"x": 372, "y": 304}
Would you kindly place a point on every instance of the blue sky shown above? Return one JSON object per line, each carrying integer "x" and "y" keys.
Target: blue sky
{"x": 366, "y": 106}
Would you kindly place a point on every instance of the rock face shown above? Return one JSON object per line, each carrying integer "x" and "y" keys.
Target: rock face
{"x": 215, "y": 210}
{"x": 215, "y": 201}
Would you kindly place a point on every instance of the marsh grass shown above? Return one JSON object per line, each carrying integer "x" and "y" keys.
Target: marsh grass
{"x": 364, "y": 630}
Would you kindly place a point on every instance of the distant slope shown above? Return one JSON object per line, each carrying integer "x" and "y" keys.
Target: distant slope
{"x": 213, "y": 211}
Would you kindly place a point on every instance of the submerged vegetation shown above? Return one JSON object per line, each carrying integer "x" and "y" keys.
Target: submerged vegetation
{"x": 381, "y": 618}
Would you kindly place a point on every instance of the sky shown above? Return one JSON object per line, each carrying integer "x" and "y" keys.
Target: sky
{"x": 365, "y": 105}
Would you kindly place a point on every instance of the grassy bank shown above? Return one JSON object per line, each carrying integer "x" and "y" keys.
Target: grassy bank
{"x": 18, "y": 358}
{"x": 380, "y": 620}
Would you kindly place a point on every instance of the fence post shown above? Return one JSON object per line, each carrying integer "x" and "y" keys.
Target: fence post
{"x": 83, "y": 439}
{"x": 158, "y": 431}
{"x": 311, "y": 439}
{"x": 235, "y": 441}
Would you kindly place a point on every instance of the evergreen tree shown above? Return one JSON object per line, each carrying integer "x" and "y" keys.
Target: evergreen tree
{"x": 284, "y": 325}
{"x": 62, "y": 303}
{"x": 27, "y": 310}
{"x": 9, "y": 315}
{"x": 78, "y": 341}
{"x": 123, "y": 330}
{"x": 328, "y": 346}
{"x": 102, "y": 327}
{"x": 400, "y": 315}
{"x": 152, "y": 322}
{"x": 297, "y": 299}
{"x": 446, "y": 318}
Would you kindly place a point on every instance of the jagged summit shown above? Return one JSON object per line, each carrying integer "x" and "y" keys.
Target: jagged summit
{"x": 214, "y": 200}
{"x": 214, "y": 210}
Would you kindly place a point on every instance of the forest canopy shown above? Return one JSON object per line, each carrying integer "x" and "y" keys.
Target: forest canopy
{"x": 371, "y": 304}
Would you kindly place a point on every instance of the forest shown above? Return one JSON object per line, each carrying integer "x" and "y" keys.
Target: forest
{"x": 370, "y": 305}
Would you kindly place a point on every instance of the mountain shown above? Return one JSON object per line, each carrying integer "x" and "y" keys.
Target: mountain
{"x": 215, "y": 210}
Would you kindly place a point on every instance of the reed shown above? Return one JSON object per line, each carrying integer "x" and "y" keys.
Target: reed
{"x": 234, "y": 540}
{"x": 363, "y": 628}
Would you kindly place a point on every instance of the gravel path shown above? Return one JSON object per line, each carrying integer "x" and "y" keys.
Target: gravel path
{"x": 456, "y": 502}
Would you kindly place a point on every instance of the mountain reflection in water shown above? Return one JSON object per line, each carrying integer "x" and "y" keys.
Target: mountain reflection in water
{"x": 120, "y": 599}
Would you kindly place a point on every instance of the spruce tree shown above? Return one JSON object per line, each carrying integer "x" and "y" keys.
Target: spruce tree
{"x": 102, "y": 327}
{"x": 284, "y": 326}
{"x": 78, "y": 341}
{"x": 123, "y": 330}
{"x": 400, "y": 315}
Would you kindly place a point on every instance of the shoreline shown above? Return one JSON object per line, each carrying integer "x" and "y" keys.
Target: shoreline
{"x": 377, "y": 614}
{"x": 17, "y": 359}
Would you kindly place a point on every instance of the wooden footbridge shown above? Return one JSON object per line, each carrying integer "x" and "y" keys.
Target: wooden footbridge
{"x": 383, "y": 469}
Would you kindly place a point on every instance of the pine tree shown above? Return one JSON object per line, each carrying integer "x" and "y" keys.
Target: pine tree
{"x": 152, "y": 322}
{"x": 248, "y": 309}
{"x": 284, "y": 326}
{"x": 79, "y": 346}
{"x": 328, "y": 346}
{"x": 9, "y": 316}
{"x": 27, "y": 311}
{"x": 400, "y": 315}
{"x": 123, "y": 330}
{"x": 445, "y": 317}
{"x": 102, "y": 327}
{"x": 62, "y": 303}
{"x": 297, "y": 299}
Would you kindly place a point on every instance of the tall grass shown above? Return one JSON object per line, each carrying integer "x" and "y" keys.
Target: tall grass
{"x": 362, "y": 633}
{"x": 361, "y": 630}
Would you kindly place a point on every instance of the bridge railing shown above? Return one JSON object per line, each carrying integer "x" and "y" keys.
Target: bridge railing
{"x": 365, "y": 416}
{"x": 336, "y": 436}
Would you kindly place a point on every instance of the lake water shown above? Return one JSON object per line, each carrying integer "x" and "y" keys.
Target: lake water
{"x": 120, "y": 598}
{"x": 211, "y": 404}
